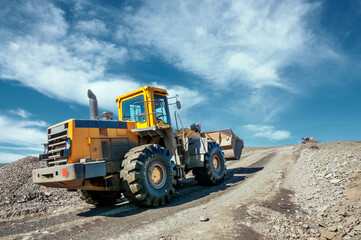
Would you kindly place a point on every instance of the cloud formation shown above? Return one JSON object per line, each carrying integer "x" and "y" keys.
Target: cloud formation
{"x": 22, "y": 132}
{"x": 269, "y": 132}
{"x": 63, "y": 59}
{"x": 20, "y": 137}
{"x": 235, "y": 46}
{"x": 6, "y": 157}
{"x": 231, "y": 46}
{"x": 58, "y": 62}
{"x": 94, "y": 27}
{"x": 227, "y": 42}
{"x": 20, "y": 112}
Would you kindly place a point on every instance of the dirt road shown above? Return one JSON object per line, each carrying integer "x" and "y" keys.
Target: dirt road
{"x": 254, "y": 202}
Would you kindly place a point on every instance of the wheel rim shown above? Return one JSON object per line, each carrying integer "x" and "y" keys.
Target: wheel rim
{"x": 157, "y": 175}
{"x": 216, "y": 164}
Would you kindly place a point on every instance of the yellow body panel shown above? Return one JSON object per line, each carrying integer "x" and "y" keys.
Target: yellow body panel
{"x": 86, "y": 142}
{"x": 147, "y": 89}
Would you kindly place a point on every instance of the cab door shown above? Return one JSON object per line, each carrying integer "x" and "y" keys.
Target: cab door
{"x": 161, "y": 110}
{"x": 134, "y": 109}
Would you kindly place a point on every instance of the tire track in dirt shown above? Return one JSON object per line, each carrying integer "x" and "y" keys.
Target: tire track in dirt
{"x": 62, "y": 225}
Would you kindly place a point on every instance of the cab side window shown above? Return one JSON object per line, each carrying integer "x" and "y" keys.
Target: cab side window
{"x": 133, "y": 109}
{"x": 161, "y": 110}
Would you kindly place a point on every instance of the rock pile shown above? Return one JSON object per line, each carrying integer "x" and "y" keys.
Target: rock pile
{"x": 327, "y": 190}
{"x": 19, "y": 196}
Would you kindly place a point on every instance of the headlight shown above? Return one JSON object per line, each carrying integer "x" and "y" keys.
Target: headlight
{"x": 46, "y": 147}
{"x": 67, "y": 145}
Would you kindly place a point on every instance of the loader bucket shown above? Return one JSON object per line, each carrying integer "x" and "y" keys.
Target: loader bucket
{"x": 231, "y": 144}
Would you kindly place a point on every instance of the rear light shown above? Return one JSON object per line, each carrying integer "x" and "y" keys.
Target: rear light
{"x": 63, "y": 172}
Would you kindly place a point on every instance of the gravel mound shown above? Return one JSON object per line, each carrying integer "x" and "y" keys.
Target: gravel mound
{"x": 320, "y": 196}
{"x": 20, "y": 197}
{"x": 326, "y": 181}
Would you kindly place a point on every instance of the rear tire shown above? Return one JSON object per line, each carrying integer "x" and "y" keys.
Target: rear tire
{"x": 100, "y": 198}
{"x": 147, "y": 175}
{"x": 214, "y": 168}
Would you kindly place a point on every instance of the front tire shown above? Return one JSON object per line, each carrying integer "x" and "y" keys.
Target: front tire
{"x": 147, "y": 175}
{"x": 214, "y": 168}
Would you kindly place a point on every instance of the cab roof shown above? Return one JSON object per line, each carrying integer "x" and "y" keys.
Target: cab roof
{"x": 141, "y": 90}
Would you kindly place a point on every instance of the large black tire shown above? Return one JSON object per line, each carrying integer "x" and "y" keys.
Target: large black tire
{"x": 100, "y": 198}
{"x": 214, "y": 168}
{"x": 147, "y": 175}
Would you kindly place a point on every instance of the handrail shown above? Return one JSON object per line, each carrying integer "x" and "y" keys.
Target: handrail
{"x": 176, "y": 114}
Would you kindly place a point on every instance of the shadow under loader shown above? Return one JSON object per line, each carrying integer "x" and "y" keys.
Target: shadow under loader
{"x": 189, "y": 192}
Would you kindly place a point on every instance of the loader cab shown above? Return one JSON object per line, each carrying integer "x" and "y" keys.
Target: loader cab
{"x": 147, "y": 107}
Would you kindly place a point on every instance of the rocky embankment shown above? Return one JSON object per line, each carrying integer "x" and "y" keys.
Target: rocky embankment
{"x": 312, "y": 192}
{"x": 326, "y": 181}
{"x": 20, "y": 197}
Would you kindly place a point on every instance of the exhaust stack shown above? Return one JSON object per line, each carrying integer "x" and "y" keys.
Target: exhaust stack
{"x": 93, "y": 104}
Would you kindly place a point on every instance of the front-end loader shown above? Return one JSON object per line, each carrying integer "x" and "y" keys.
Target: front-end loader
{"x": 140, "y": 156}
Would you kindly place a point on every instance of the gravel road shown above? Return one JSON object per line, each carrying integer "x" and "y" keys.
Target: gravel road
{"x": 289, "y": 192}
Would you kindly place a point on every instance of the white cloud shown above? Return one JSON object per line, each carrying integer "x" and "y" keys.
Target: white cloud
{"x": 235, "y": 46}
{"x": 6, "y": 157}
{"x": 188, "y": 97}
{"x": 261, "y": 105}
{"x": 22, "y": 148}
{"x": 227, "y": 41}
{"x": 22, "y": 132}
{"x": 67, "y": 67}
{"x": 20, "y": 137}
{"x": 267, "y": 131}
{"x": 94, "y": 27}
{"x": 47, "y": 23}
{"x": 60, "y": 72}
{"x": 20, "y": 112}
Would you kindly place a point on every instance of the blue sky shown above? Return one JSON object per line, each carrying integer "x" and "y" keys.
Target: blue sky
{"x": 273, "y": 71}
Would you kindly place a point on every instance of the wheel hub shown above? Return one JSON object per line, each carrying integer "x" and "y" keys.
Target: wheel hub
{"x": 216, "y": 164}
{"x": 157, "y": 175}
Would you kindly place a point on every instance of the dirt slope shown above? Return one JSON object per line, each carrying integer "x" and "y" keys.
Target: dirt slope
{"x": 291, "y": 192}
{"x": 19, "y": 197}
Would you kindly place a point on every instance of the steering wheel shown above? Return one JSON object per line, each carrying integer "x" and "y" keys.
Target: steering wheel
{"x": 160, "y": 116}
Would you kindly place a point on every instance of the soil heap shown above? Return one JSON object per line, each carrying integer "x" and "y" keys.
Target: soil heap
{"x": 20, "y": 197}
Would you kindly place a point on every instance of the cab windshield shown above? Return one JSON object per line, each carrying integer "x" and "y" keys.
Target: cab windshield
{"x": 133, "y": 109}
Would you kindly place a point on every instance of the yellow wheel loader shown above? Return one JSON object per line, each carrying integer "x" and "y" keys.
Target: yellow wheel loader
{"x": 140, "y": 156}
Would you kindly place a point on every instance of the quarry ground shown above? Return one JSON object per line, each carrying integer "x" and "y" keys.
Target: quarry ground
{"x": 288, "y": 192}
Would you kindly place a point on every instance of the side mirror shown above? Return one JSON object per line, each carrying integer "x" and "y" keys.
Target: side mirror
{"x": 179, "y": 106}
